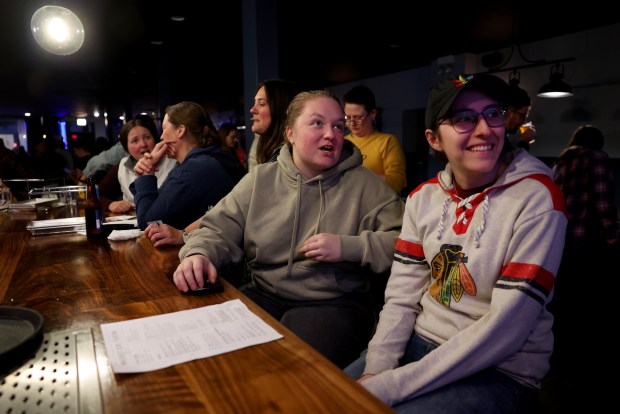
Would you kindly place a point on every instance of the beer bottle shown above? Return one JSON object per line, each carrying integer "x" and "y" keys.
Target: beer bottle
{"x": 93, "y": 211}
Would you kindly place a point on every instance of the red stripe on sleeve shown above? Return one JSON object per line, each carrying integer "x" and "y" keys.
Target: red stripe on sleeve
{"x": 411, "y": 249}
{"x": 529, "y": 271}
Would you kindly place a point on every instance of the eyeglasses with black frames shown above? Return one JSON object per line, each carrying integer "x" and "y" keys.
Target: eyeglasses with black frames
{"x": 355, "y": 120}
{"x": 466, "y": 121}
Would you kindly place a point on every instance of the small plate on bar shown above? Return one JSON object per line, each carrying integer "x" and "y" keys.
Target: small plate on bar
{"x": 21, "y": 336}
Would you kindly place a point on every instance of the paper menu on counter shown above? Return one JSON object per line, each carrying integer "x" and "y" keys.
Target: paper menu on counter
{"x": 155, "y": 342}
{"x": 55, "y": 226}
{"x": 32, "y": 204}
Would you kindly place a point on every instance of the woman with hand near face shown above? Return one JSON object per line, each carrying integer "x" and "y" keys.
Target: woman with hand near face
{"x": 138, "y": 137}
{"x": 314, "y": 226}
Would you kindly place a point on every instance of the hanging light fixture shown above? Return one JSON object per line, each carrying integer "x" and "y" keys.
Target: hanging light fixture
{"x": 57, "y": 30}
{"x": 556, "y": 88}
{"x": 514, "y": 78}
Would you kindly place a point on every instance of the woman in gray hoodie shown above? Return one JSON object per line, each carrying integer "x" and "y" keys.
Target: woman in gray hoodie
{"x": 313, "y": 227}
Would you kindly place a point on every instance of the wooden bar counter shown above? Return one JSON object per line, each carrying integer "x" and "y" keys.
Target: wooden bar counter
{"x": 78, "y": 283}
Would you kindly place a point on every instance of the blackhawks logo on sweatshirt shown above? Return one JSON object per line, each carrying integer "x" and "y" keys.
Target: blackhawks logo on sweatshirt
{"x": 450, "y": 274}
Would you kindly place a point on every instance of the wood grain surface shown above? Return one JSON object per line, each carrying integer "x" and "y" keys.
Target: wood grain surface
{"x": 79, "y": 283}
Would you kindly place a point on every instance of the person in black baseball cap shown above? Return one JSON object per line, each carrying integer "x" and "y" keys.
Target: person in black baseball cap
{"x": 440, "y": 106}
{"x": 445, "y": 92}
{"x": 465, "y": 327}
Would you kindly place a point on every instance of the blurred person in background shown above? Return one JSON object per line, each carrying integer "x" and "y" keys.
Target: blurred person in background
{"x": 229, "y": 139}
{"x": 519, "y": 132}
{"x": 11, "y": 167}
{"x": 101, "y": 144}
{"x": 229, "y": 142}
{"x": 584, "y": 173}
{"x": 46, "y": 162}
{"x": 24, "y": 156}
{"x": 83, "y": 150}
{"x": 59, "y": 147}
{"x": 101, "y": 163}
{"x": 382, "y": 152}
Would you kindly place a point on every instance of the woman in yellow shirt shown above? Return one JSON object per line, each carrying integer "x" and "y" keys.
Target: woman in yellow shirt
{"x": 381, "y": 152}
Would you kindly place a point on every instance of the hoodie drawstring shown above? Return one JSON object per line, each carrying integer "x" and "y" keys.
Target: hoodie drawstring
{"x": 321, "y": 203}
{"x": 463, "y": 206}
{"x": 291, "y": 254}
{"x": 480, "y": 229}
{"x": 293, "y": 251}
{"x": 444, "y": 211}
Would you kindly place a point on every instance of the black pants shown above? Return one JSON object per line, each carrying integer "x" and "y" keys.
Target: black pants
{"x": 338, "y": 328}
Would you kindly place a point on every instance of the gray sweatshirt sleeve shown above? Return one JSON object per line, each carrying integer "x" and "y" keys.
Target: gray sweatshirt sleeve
{"x": 221, "y": 230}
{"x": 105, "y": 160}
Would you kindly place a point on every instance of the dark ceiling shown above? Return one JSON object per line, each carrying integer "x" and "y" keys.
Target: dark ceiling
{"x": 321, "y": 43}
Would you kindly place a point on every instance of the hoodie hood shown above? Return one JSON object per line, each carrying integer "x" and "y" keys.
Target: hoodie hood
{"x": 520, "y": 165}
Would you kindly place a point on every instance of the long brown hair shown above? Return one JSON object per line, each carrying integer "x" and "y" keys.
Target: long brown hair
{"x": 279, "y": 94}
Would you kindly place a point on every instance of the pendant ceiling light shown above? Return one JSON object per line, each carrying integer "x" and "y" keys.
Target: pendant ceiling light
{"x": 556, "y": 88}
{"x": 57, "y": 30}
{"x": 514, "y": 79}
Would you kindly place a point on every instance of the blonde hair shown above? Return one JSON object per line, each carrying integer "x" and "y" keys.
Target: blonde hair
{"x": 298, "y": 103}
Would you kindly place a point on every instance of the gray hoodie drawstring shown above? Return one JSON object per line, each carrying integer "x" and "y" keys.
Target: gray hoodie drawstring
{"x": 291, "y": 254}
{"x": 321, "y": 204}
{"x": 480, "y": 229}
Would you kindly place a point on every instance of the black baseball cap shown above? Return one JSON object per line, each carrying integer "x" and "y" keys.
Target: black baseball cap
{"x": 442, "y": 95}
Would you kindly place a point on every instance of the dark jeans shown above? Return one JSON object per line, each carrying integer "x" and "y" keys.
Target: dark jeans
{"x": 338, "y": 328}
{"x": 488, "y": 391}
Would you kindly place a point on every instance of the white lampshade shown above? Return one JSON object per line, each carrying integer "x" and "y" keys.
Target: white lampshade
{"x": 57, "y": 30}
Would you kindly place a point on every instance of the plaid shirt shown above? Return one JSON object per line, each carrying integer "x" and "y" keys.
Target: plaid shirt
{"x": 585, "y": 177}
